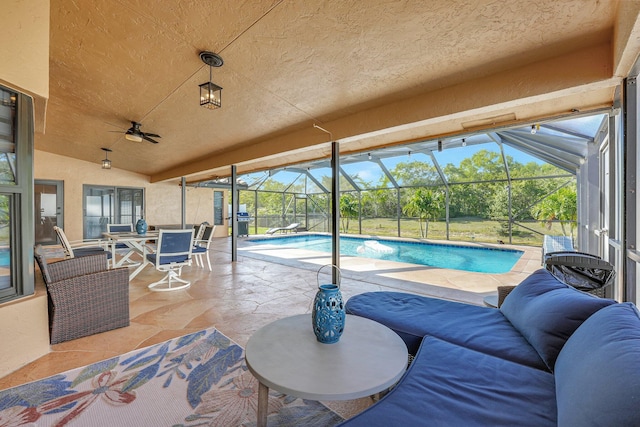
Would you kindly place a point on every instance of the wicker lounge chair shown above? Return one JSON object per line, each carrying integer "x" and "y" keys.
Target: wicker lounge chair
{"x": 85, "y": 297}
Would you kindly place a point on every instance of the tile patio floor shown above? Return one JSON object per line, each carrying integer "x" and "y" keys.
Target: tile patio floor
{"x": 262, "y": 286}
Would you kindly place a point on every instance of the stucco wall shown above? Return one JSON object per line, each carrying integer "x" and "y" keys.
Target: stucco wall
{"x": 163, "y": 200}
{"x": 25, "y": 40}
{"x": 163, "y": 206}
{"x": 24, "y": 330}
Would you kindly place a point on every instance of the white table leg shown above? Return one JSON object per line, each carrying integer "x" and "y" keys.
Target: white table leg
{"x": 263, "y": 401}
{"x": 143, "y": 264}
{"x": 113, "y": 254}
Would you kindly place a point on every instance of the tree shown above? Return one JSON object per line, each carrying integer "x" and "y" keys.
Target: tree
{"x": 377, "y": 203}
{"x": 426, "y": 205}
{"x": 414, "y": 173}
{"x": 560, "y": 206}
{"x": 348, "y": 209}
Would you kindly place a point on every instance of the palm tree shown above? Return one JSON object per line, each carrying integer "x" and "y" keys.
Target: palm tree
{"x": 560, "y": 206}
{"x": 348, "y": 209}
{"x": 426, "y": 205}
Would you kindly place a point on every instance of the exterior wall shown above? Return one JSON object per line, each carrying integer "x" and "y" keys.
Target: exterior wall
{"x": 163, "y": 200}
{"x": 25, "y": 50}
{"x": 29, "y": 341}
{"x": 24, "y": 325}
{"x": 163, "y": 206}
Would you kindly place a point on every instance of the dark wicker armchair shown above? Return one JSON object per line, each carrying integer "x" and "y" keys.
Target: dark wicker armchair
{"x": 85, "y": 297}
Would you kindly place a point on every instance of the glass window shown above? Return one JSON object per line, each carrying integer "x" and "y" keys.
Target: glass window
{"x": 5, "y": 241}
{"x": 218, "y": 208}
{"x": 16, "y": 200}
{"x": 110, "y": 205}
{"x": 7, "y": 137}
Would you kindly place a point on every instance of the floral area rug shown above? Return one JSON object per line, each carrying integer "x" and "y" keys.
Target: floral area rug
{"x": 196, "y": 380}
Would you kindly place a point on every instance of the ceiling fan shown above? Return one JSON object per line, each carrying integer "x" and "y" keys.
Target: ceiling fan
{"x": 136, "y": 135}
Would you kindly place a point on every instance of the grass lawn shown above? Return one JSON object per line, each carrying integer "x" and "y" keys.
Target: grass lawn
{"x": 467, "y": 229}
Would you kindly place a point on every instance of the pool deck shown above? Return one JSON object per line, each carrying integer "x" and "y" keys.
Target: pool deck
{"x": 264, "y": 285}
{"x": 455, "y": 285}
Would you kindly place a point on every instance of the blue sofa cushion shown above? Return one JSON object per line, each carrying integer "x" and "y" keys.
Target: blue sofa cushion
{"x": 598, "y": 370}
{"x": 547, "y": 312}
{"x": 412, "y": 317}
{"x": 449, "y": 385}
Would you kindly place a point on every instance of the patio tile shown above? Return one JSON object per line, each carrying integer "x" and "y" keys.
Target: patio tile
{"x": 239, "y": 298}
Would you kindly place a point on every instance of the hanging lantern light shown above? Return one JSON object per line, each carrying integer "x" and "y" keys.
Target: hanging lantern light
{"x": 211, "y": 93}
{"x": 106, "y": 163}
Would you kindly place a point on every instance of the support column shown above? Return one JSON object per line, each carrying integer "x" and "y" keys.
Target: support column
{"x": 631, "y": 133}
{"x": 398, "y": 209}
{"x": 234, "y": 215}
{"x": 335, "y": 208}
{"x": 183, "y": 220}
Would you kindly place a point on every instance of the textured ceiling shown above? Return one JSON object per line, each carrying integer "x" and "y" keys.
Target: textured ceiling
{"x": 371, "y": 72}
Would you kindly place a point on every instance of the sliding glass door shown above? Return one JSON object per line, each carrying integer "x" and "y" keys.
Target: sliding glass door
{"x": 110, "y": 205}
{"x": 48, "y": 202}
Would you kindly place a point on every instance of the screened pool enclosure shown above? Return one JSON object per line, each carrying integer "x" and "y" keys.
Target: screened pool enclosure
{"x": 508, "y": 185}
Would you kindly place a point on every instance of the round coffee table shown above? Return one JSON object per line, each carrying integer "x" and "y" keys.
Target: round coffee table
{"x": 286, "y": 356}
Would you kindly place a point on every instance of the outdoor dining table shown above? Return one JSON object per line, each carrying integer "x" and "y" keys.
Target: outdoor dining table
{"x": 137, "y": 243}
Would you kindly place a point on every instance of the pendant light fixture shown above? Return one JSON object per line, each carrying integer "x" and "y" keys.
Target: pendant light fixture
{"x": 106, "y": 163}
{"x": 211, "y": 93}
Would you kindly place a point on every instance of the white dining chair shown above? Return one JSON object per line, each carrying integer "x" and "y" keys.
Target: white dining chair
{"x": 173, "y": 252}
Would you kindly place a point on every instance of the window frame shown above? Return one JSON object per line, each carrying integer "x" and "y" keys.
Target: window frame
{"x": 116, "y": 204}
{"x": 21, "y": 202}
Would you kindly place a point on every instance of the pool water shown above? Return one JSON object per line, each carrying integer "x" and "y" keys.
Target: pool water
{"x": 456, "y": 257}
{"x": 5, "y": 258}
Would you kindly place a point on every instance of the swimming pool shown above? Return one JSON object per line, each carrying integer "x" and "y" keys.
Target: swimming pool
{"x": 457, "y": 257}
{"x": 5, "y": 258}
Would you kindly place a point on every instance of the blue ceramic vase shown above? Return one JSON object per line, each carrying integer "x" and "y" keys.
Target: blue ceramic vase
{"x": 141, "y": 226}
{"x": 328, "y": 314}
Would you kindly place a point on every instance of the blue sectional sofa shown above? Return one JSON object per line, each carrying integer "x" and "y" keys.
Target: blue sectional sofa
{"x": 549, "y": 356}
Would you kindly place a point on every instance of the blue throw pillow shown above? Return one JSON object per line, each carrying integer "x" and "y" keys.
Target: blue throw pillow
{"x": 598, "y": 370}
{"x": 546, "y": 312}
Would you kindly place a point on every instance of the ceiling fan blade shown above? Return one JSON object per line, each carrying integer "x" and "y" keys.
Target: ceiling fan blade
{"x": 152, "y": 135}
{"x": 146, "y": 138}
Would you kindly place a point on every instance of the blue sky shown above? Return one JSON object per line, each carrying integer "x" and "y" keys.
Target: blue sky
{"x": 370, "y": 172}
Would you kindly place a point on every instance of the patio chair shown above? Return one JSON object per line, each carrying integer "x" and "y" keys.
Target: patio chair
{"x": 120, "y": 228}
{"x": 85, "y": 297}
{"x": 81, "y": 248}
{"x": 201, "y": 246}
{"x": 290, "y": 227}
{"x": 552, "y": 244}
{"x": 173, "y": 252}
{"x": 198, "y": 230}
